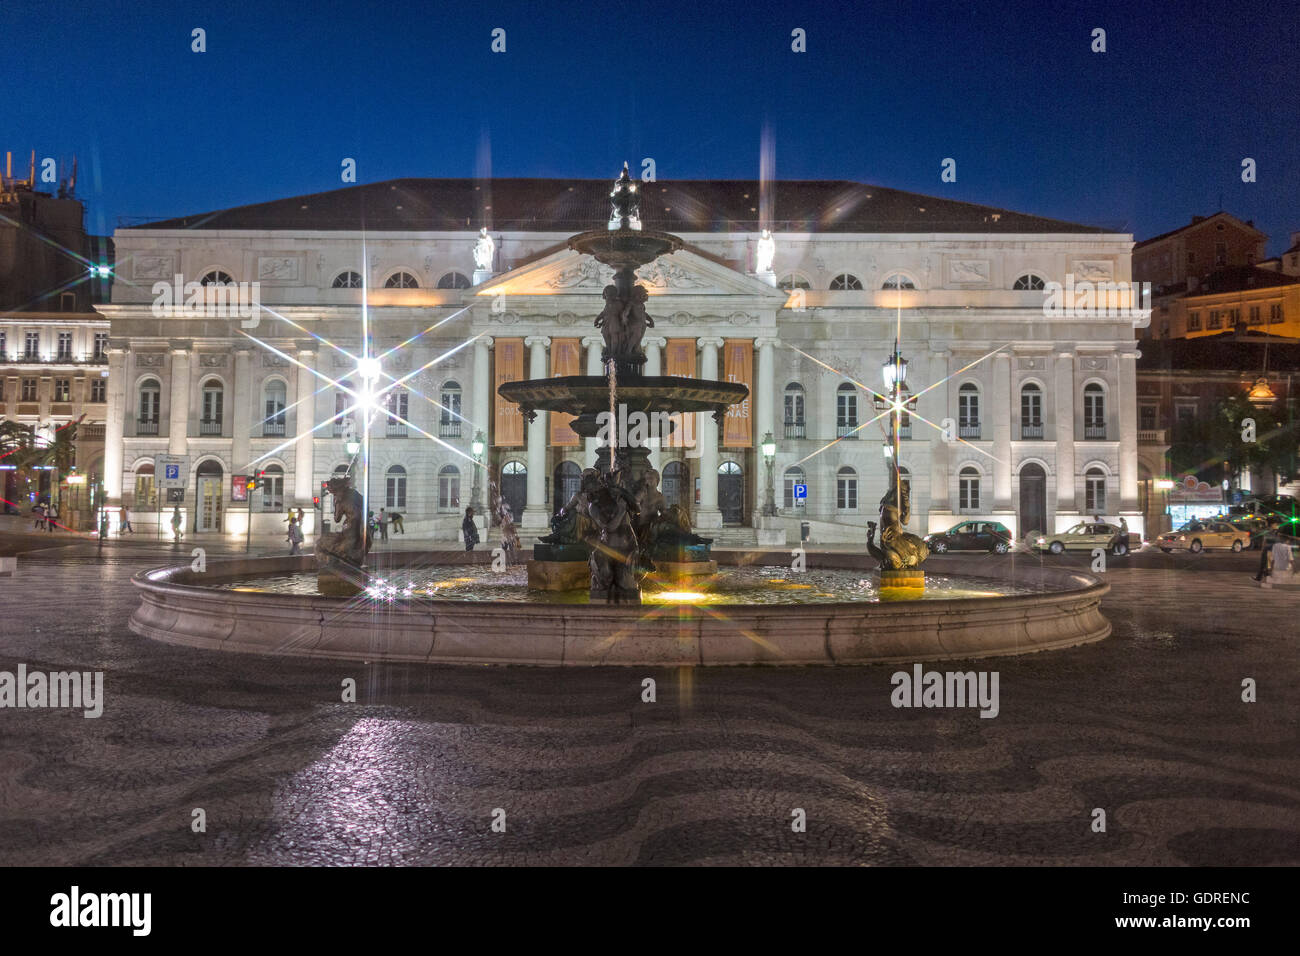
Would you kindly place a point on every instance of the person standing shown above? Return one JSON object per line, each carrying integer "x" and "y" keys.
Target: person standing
{"x": 294, "y": 536}
{"x": 51, "y": 517}
{"x": 39, "y": 514}
{"x": 124, "y": 522}
{"x": 177, "y": 521}
{"x": 1123, "y": 533}
{"x": 383, "y": 525}
{"x": 469, "y": 529}
{"x": 1271, "y": 537}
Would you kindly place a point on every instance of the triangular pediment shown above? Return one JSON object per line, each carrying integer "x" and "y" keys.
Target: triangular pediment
{"x": 683, "y": 273}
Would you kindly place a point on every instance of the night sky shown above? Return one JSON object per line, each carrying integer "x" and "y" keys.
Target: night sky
{"x": 1139, "y": 138}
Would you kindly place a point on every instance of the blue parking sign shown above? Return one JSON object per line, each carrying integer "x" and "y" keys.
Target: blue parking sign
{"x": 801, "y": 491}
{"x": 173, "y": 472}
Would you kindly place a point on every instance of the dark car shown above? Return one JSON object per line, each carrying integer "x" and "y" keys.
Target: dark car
{"x": 971, "y": 536}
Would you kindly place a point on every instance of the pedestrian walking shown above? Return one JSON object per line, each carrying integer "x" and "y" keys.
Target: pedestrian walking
{"x": 51, "y": 517}
{"x": 177, "y": 521}
{"x": 396, "y": 521}
{"x": 383, "y": 525}
{"x": 300, "y": 520}
{"x": 38, "y": 513}
{"x": 295, "y": 536}
{"x": 1123, "y": 534}
{"x": 124, "y": 522}
{"x": 469, "y": 529}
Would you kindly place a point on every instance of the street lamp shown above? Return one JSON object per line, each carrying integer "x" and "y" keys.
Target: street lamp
{"x": 769, "y": 458}
{"x": 478, "y": 446}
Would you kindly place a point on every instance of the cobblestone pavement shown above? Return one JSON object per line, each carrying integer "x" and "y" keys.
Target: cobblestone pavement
{"x": 1148, "y": 725}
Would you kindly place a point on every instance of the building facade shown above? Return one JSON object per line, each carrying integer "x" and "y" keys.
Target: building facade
{"x": 1034, "y": 409}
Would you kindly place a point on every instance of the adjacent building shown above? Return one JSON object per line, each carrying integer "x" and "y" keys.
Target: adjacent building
{"x": 1034, "y": 407}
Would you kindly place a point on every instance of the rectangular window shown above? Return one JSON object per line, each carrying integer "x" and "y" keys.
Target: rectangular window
{"x": 1255, "y": 317}
{"x": 98, "y": 390}
{"x": 968, "y": 494}
{"x": 1147, "y": 418}
{"x": 846, "y": 494}
{"x": 395, "y": 496}
{"x": 29, "y": 390}
{"x": 1220, "y": 253}
{"x": 65, "y": 346}
{"x": 63, "y": 390}
{"x": 846, "y": 412}
{"x": 449, "y": 492}
{"x": 1095, "y": 494}
{"x": 32, "y": 345}
{"x": 968, "y": 410}
{"x": 1275, "y": 313}
{"x": 144, "y": 492}
{"x": 4, "y": 345}
{"x": 101, "y": 345}
{"x": 1216, "y": 319}
{"x": 273, "y": 492}
{"x": 1194, "y": 321}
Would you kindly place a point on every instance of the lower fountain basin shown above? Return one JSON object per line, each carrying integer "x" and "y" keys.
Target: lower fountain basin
{"x": 227, "y": 608}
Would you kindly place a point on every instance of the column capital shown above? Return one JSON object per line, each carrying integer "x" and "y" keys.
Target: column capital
{"x": 1063, "y": 354}
{"x": 709, "y": 342}
{"x": 305, "y": 347}
{"x": 656, "y": 341}
{"x": 485, "y": 341}
{"x": 179, "y": 346}
{"x": 535, "y": 340}
{"x": 766, "y": 341}
{"x": 592, "y": 341}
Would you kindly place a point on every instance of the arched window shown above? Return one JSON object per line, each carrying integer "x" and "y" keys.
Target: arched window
{"x": 395, "y": 487}
{"x": 846, "y": 411}
{"x": 401, "y": 280}
{"x": 794, "y": 475}
{"x": 273, "y": 401}
{"x": 514, "y": 468}
{"x": 454, "y": 280}
{"x": 793, "y": 281}
{"x": 897, "y": 281}
{"x": 217, "y": 277}
{"x": 347, "y": 280}
{"x": 1094, "y": 491}
{"x": 273, "y": 488}
{"x": 1028, "y": 283}
{"x": 449, "y": 415}
{"x": 794, "y": 410}
{"x": 1031, "y": 411}
{"x": 147, "y": 411}
{"x": 968, "y": 411}
{"x": 676, "y": 477}
{"x": 846, "y": 283}
{"x": 968, "y": 490}
{"x": 214, "y": 398}
{"x": 144, "y": 487}
{"x": 1094, "y": 411}
{"x": 448, "y": 488}
{"x": 846, "y": 489}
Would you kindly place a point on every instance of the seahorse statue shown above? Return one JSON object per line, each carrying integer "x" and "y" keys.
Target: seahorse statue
{"x": 898, "y": 547}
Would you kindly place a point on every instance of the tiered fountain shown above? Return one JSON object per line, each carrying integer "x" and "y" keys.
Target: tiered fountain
{"x": 618, "y": 527}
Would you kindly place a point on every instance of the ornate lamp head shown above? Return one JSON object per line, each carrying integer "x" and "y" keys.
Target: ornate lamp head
{"x": 626, "y": 202}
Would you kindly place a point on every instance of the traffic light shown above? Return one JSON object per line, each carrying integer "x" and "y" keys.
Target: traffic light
{"x": 252, "y": 483}
{"x": 316, "y": 502}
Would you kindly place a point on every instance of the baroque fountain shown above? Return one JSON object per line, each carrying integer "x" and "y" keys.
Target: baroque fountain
{"x": 622, "y": 578}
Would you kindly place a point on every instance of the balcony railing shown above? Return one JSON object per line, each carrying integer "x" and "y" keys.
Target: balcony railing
{"x": 90, "y": 432}
{"x": 846, "y": 431}
{"x": 1032, "y": 431}
{"x": 396, "y": 430}
{"x": 968, "y": 431}
{"x": 210, "y": 428}
{"x": 1152, "y": 436}
{"x": 448, "y": 429}
{"x": 904, "y": 431}
{"x": 146, "y": 428}
{"x": 30, "y": 358}
{"x": 272, "y": 429}
{"x": 1095, "y": 432}
{"x": 795, "y": 430}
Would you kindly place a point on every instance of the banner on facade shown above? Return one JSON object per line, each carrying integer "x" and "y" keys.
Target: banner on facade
{"x": 508, "y": 420}
{"x": 566, "y": 359}
{"x": 738, "y": 366}
{"x": 679, "y": 359}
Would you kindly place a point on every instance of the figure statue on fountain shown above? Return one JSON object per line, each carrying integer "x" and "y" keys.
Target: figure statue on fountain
{"x": 610, "y": 323}
{"x": 617, "y": 561}
{"x": 664, "y": 530}
{"x": 571, "y": 524}
{"x": 622, "y": 324}
{"x": 341, "y": 554}
{"x": 898, "y": 547}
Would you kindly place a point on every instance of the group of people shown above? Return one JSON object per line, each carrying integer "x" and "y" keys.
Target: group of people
{"x": 379, "y": 524}
{"x": 47, "y": 516}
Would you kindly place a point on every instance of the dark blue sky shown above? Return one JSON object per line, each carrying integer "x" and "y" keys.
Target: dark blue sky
{"x": 1141, "y": 137}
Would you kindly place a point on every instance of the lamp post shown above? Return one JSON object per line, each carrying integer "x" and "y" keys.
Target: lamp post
{"x": 894, "y": 371}
{"x": 477, "y": 447}
{"x": 769, "y": 459}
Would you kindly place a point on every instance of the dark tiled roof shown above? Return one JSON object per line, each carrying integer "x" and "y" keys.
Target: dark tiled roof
{"x": 1240, "y": 279}
{"x": 575, "y": 205}
{"x": 1197, "y": 221}
{"x": 1226, "y": 352}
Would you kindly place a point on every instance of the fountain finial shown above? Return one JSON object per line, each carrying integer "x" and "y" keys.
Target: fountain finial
{"x": 626, "y": 212}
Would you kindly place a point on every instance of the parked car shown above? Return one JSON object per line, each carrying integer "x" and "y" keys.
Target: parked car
{"x": 1196, "y": 536}
{"x": 1253, "y": 525}
{"x": 971, "y": 536}
{"x": 1084, "y": 536}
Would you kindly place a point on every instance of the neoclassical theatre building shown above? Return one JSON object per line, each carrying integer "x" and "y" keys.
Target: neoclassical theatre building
{"x": 1037, "y": 405}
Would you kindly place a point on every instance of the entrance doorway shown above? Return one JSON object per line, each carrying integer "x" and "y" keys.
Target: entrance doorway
{"x": 731, "y": 492}
{"x": 210, "y": 487}
{"x": 567, "y": 480}
{"x": 1033, "y": 498}
{"x": 676, "y": 479}
{"x": 514, "y": 488}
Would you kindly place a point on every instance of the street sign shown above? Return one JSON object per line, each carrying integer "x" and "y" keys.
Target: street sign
{"x": 172, "y": 471}
{"x": 800, "y": 491}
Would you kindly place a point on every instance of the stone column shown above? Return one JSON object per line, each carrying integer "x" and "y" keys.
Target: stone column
{"x": 654, "y": 366}
{"x": 304, "y": 458}
{"x": 940, "y": 406}
{"x": 178, "y": 418}
{"x": 536, "y": 513}
{"x": 1067, "y": 505}
{"x": 481, "y": 404}
{"x": 1127, "y": 424}
{"x": 1001, "y": 401}
{"x": 707, "y": 514}
{"x": 763, "y": 403}
{"x": 593, "y": 344}
{"x": 242, "y": 400}
{"x": 114, "y": 427}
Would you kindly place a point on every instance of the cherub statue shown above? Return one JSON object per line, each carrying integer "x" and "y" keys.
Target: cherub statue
{"x": 616, "y": 562}
{"x": 571, "y": 523}
{"x": 635, "y": 321}
{"x": 610, "y": 323}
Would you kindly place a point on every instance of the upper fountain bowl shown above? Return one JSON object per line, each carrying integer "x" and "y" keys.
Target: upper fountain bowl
{"x": 624, "y": 248}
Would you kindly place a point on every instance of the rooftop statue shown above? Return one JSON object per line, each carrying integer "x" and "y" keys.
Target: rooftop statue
{"x": 484, "y": 248}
